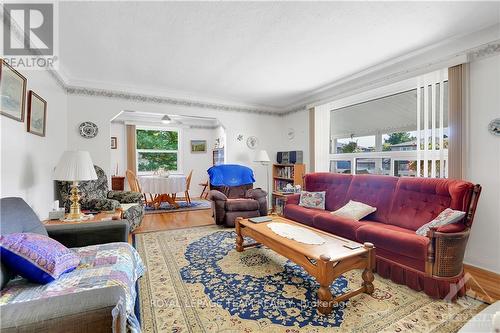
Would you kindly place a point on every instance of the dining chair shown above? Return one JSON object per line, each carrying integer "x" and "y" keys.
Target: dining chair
{"x": 205, "y": 190}
{"x": 135, "y": 186}
{"x": 187, "y": 197}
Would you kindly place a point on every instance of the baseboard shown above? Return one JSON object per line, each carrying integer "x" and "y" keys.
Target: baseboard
{"x": 484, "y": 285}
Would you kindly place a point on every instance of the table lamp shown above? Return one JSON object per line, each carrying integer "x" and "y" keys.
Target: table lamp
{"x": 263, "y": 158}
{"x": 75, "y": 166}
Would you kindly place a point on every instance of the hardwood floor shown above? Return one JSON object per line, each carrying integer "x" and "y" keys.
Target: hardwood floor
{"x": 484, "y": 285}
{"x": 175, "y": 220}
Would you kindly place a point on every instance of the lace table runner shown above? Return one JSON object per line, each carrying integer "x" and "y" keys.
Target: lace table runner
{"x": 296, "y": 233}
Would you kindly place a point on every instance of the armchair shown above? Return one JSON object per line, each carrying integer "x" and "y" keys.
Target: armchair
{"x": 233, "y": 194}
{"x": 96, "y": 196}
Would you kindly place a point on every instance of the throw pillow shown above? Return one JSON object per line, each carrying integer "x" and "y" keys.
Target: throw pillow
{"x": 447, "y": 216}
{"x": 312, "y": 199}
{"x": 36, "y": 257}
{"x": 354, "y": 210}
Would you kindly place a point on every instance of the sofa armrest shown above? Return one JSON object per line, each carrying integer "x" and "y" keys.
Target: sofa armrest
{"x": 93, "y": 312}
{"x": 91, "y": 233}
{"x": 126, "y": 197}
{"x": 216, "y": 195}
{"x": 292, "y": 199}
{"x": 255, "y": 193}
{"x": 451, "y": 228}
{"x": 445, "y": 253}
{"x": 98, "y": 205}
{"x": 260, "y": 196}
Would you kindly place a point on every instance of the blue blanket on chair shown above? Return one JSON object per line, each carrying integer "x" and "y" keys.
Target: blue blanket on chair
{"x": 230, "y": 175}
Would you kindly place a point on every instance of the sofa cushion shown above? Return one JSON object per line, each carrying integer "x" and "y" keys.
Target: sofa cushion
{"x": 334, "y": 184}
{"x": 418, "y": 201}
{"x": 236, "y": 205}
{"x": 16, "y": 216}
{"x": 394, "y": 239}
{"x": 418, "y": 264}
{"x": 446, "y": 217}
{"x": 376, "y": 191}
{"x": 312, "y": 199}
{"x": 301, "y": 214}
{"x": 338, "y": 225}
{"x": 354, "y": 210}
{"x": 36, "y": 257}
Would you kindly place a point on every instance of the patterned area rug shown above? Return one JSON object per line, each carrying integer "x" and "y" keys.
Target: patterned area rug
{"x": 197, "y": 282}
{"x": 183, "y": 206}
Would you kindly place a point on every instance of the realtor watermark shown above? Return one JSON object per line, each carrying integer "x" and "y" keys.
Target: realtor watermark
{"x": 30, "y": 35}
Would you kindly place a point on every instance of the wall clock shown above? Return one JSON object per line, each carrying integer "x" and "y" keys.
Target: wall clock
{"x": 494, "y": 127}
{"x": 88, "y": 130}
{"x": 252, "y": 142}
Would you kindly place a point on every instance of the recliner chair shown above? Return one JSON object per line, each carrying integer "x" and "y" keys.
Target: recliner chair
{"x": 231, "y": 190}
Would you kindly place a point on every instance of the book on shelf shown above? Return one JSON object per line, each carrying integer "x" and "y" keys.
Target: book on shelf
{"x": 285, "y": 172}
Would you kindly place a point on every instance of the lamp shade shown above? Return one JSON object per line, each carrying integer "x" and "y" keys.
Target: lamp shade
{"x": 75, "y": 166}
{"x": 262, "y": 157}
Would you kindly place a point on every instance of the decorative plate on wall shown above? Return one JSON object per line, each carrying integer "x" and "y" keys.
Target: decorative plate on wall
{"x": 88, "y": 130}
{"x": 494, "y": 127}
{"x": 252, "y": 142}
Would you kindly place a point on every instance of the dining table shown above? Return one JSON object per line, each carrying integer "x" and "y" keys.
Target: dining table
{"x": 162, "y": 188}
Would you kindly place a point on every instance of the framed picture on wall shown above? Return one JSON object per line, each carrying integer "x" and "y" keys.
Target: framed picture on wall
{"x": 198, "y": 146}
{"x": 12, "y": 92}
{"x": 114, "y": 142}
{"x": 37, "y": 114}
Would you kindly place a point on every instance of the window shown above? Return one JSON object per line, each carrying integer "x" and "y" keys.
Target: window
{"x": 157, "y": 148}
{"x": 400, "y": 134}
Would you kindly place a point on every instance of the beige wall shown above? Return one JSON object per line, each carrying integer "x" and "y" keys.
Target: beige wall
{"x": 483, "y": 162}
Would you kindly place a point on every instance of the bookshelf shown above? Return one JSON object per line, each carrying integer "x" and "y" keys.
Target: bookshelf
{"x": 284, "y": 174}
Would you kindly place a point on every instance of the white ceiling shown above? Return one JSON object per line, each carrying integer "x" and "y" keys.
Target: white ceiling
{"x": 267, "y": 54}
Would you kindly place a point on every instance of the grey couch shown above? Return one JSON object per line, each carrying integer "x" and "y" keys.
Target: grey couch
{"x": 88, "y": 311}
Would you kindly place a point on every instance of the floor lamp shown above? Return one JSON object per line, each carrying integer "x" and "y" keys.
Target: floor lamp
{"x": 263, "y": 158}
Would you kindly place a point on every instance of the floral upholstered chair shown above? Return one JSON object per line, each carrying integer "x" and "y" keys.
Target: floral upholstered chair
{"x": 96, "y": 196}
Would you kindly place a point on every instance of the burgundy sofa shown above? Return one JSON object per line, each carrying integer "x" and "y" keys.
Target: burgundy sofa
{"x": 430, "y": 264}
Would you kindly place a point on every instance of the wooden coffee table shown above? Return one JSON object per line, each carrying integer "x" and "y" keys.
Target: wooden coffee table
{"x": 325, "y": 262}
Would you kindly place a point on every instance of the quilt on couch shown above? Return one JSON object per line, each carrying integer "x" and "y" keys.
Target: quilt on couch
{"x": 101, "y": 266}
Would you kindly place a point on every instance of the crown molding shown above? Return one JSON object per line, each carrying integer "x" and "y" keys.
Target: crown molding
{"x": 144, "y": 98}
{"x": 485, "y": 51}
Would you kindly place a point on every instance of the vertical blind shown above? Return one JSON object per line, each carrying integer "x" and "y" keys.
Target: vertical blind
{"x": 432, "y": 152}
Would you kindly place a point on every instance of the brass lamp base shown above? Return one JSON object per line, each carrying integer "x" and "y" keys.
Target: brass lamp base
{"x": 74, "y": 210}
